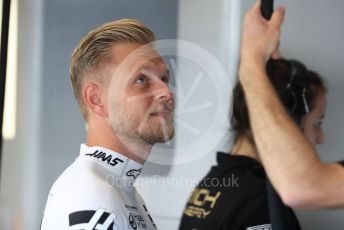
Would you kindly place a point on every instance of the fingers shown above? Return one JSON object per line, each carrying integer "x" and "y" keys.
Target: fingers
{"x": 278, "y": 16}
{"x": 256, "y": 6}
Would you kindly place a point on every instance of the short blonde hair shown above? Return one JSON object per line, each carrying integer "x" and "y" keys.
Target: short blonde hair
{"x": 94, "y": 50}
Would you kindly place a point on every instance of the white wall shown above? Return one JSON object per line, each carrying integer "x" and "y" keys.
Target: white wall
{"x": 19, "y": 169}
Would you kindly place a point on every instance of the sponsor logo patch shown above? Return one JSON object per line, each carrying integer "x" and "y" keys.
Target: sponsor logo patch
{"x": 132, "y": 221}
{"x": 135, "y": 218}
{"x": 133, "y": 173}
{"x": 92, "y": 220}
{"x": 201, "y": 203}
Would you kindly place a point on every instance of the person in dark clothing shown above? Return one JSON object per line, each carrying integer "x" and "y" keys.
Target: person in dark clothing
{"x": 282, "y": 146}
{"x": 236, "y": 193}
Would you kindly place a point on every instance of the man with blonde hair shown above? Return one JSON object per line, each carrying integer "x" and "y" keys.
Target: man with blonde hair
{"x": 121, "y": 85}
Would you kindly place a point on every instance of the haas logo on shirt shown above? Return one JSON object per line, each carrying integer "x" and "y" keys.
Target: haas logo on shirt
{"x": 106, "y": 158}
{"x": 90, "y": 219}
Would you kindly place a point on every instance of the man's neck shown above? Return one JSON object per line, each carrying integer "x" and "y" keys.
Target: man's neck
{"x": 134, "y": 149}
{"x": 244, "y": 147}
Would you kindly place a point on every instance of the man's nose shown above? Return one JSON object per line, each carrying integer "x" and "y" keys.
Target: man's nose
{"x": 163, "y": 91}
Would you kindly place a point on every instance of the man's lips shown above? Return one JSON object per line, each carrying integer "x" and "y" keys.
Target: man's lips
{"x": 164, "y": 113}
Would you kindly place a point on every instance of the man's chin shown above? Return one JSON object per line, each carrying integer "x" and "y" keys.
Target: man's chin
{"x": 160, "y": 137}
{"x": 166, "y": 139}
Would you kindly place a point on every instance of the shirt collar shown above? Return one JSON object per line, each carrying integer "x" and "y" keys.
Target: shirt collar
{"x": 226, "y": 160}
{"x": 125, "y": 169}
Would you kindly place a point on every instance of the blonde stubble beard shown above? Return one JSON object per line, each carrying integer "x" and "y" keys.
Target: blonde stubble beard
{"x": 135, "y": 129}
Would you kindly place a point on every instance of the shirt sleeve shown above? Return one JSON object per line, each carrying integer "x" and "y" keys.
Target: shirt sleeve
{"x": 281, "y": 216}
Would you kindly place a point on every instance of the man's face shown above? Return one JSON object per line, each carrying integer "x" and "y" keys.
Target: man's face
{"x": 139, "y": 101}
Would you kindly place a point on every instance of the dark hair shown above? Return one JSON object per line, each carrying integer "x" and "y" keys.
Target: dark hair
{"x": 297, "y": 87}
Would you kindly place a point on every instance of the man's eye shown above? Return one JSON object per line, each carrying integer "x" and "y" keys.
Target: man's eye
{"x": 141, "y": 79}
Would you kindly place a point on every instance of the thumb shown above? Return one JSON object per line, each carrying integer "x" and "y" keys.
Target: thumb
{"x": 277, "y": 17}
{"x": 256, "y": 6}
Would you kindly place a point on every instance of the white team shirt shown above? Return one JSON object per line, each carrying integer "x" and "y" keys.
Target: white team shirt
{"x": 96, "y": 192}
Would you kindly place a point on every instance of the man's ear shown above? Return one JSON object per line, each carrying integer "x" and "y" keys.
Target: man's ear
{"x": 95, "y": 99}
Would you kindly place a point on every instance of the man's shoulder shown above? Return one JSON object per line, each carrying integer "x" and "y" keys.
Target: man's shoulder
{"x": 82, "y": 183}
{"x": 79, "y": 196}
{"x": 72, "y": 178}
